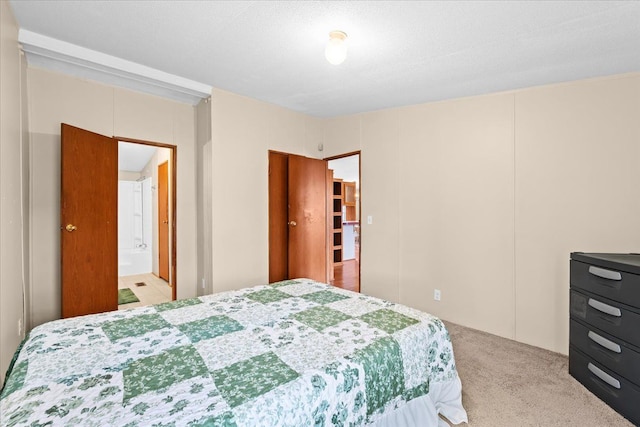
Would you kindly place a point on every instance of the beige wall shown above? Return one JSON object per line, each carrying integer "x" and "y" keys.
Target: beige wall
{"x": 128, "y": 175}
{"x": 577, "y": 175}
{"x": 456, "y": 210}
{"x": 243, "y": 130}
{"x": 55, "y": 99}
{"x": 484, "y": 198}
{"x": 13, "y": 189}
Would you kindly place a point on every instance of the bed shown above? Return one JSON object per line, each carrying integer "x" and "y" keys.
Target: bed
{"x": 292, "y": 353}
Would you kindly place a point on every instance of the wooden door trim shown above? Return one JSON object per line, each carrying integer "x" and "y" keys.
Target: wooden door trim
{"x": 143, "y": 142}
{"x": 359, "y": 154}
{"x": 340, "y": 156}
{"x": 173, "y": 196}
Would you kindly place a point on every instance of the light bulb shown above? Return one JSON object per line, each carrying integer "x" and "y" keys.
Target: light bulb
{"x": 336, "y": 50}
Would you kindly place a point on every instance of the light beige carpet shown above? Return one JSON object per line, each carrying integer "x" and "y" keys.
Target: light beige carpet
{"x": 506, "y": 383}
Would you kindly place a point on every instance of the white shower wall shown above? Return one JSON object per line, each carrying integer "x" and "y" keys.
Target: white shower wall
{"x": 134, "y": 227}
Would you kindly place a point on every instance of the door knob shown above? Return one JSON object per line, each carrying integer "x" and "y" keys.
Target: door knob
{"x": 165, "y": 222}
{"x": 292, "y": 223}
{"x": 71, "y": 227}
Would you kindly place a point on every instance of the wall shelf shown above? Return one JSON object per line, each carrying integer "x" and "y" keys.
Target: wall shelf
{"x": 337, "y": 220}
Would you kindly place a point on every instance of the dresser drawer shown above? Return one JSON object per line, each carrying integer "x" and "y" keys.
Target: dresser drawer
{"x": 610, "y": 351}
{"x": 607, "y": 315}
{"x": 607, "y": 282}
{"x": 616, "y": 391}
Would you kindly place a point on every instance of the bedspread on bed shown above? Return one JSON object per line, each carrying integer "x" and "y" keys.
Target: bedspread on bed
{"x": 293, "y": 353}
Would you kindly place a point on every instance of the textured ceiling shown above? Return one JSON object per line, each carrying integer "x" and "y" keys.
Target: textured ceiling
{"x": 400, "y": 53}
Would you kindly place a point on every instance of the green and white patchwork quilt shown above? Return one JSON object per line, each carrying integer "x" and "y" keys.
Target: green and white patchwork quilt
{"x": 293, "y": 353}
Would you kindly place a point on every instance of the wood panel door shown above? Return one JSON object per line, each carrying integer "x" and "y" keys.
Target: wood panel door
{"x": 307, "y": 194}
{"x": 89, "y": 222}
{"x": 278, "y": 216}
{"x": 163, "y": 221}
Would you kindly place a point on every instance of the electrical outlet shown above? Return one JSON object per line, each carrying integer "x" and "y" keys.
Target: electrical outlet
{"x": 203, "y": 283}
{"x": 19, "y": 327}
{"x": 436, "y": 294}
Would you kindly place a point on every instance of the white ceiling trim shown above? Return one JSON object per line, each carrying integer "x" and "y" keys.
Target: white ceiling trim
{"x": 49, "y": 53}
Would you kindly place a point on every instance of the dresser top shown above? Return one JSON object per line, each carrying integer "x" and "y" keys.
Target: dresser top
{"x": 625, "y": 262}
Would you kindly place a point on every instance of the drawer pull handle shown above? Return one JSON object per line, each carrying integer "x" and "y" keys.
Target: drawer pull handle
{"x": 604, "y": 376}
{"x": 609, "y": 345}
{"x": 605, "y": 308}
{"x": 605, "y": 274}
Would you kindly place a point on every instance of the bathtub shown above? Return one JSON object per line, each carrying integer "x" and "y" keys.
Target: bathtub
{"x": 134, "y": 261}
{"x": 134, "y": 227}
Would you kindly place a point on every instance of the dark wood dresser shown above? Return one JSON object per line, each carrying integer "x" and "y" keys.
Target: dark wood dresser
{"x": 604, "y": 331}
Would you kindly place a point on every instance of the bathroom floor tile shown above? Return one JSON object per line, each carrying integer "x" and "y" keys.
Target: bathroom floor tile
{"x": 156, "y": 291}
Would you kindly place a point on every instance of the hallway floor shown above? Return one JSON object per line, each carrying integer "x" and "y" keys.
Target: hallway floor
{"x": 346, "y": 276}
{"x": 155, "y": 291}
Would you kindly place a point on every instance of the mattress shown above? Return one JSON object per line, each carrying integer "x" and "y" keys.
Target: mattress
{"x": 292, "y": 353}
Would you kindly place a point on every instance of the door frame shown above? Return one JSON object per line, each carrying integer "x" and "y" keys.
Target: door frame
{"x": 173, "y": 191}
{"x": 359, "y": 154}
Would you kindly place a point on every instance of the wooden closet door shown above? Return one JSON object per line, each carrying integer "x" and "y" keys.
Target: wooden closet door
{"x": 298, "y": 229}
{"x": 307, "y": 193}
{"x": 278, "y": 216}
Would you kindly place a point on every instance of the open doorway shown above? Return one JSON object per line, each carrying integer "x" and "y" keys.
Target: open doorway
{"x": 89, "y": 220}
{"x": 345, "y": 223}
{"x": 144, "y": 225}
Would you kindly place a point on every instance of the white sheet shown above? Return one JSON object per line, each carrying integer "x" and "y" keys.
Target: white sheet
{"x": 424, "y": 410}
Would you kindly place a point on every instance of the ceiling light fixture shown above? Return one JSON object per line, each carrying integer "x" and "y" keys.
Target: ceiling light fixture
{"x": 336, "y": 50}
